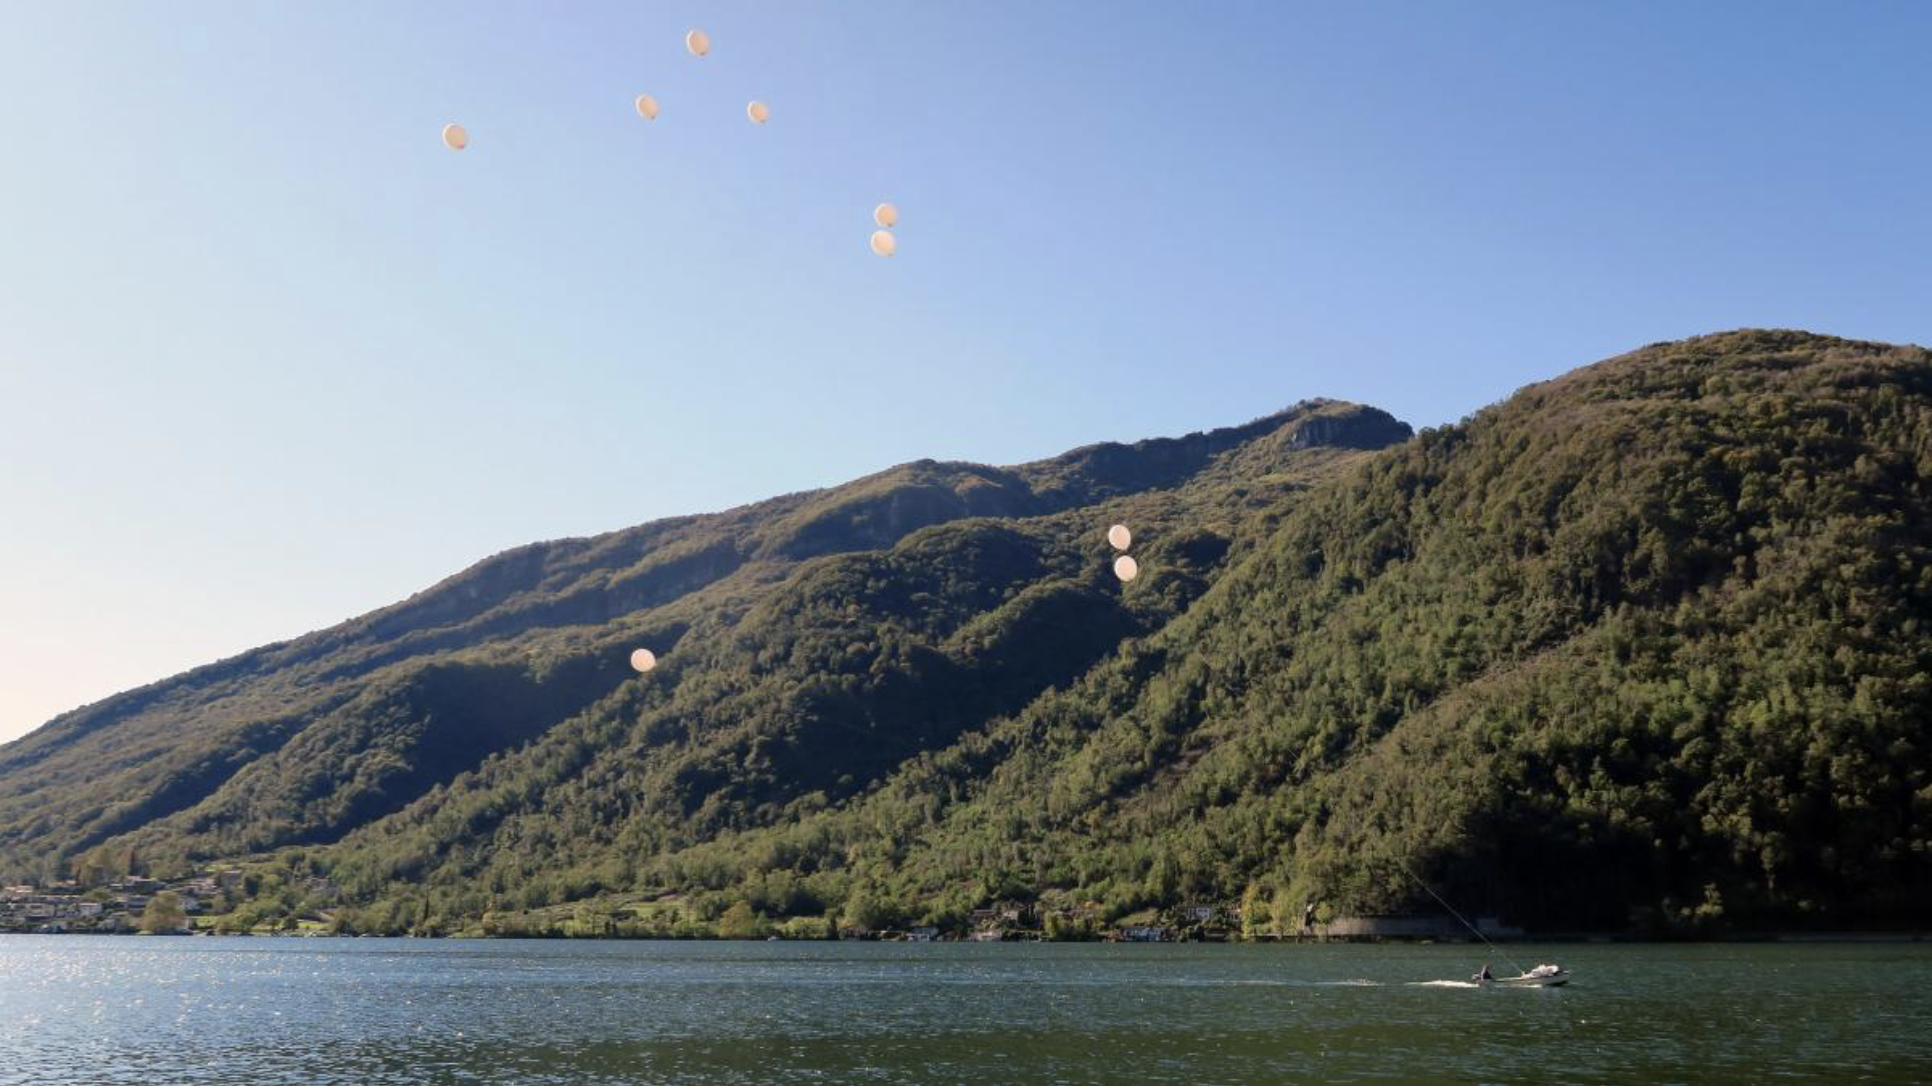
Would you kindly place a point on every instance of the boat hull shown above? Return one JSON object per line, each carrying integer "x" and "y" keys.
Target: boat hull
{"x": 1553, "y": 980}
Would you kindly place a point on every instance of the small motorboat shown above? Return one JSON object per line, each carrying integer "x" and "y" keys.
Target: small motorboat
{"x": 1543, "y": 976}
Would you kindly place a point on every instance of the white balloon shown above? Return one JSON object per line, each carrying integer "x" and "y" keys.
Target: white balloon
{"x": 758, "y": 112}
{"x": 455, "y": 137}
{"x": 883, "y": 243}
{"x": 647, "y": 107}
{"x": 643, "y": 659}
{"x": 698, "y": 42}
{"x": 885, "y": 215}
{"x": 1126, "y": 568}
{"x": 1120, "y": 537}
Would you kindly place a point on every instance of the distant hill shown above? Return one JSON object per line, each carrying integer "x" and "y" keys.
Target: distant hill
{"x": 1647, "y": 644}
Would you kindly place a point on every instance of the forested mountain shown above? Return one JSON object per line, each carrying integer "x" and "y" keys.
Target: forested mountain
{"x": 1644, "y": 644}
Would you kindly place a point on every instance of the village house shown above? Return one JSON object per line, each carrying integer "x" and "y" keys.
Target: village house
{"x": 1197, "y": 913}
{"x": 59, "y": 907}
{"x": 136, "y": 884}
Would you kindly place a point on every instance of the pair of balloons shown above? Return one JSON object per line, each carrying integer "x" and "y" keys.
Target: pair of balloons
{"x": 698, "y": 43}
{"x": 1125, "y": 567}
{"x": 759, "y": 112}
{"x": 883, "y": 243}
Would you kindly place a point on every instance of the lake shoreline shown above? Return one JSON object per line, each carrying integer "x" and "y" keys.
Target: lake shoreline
{"x": 1573, "y": 938}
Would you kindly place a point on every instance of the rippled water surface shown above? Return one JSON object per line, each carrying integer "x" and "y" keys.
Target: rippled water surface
{"x": 261, "y": 1011}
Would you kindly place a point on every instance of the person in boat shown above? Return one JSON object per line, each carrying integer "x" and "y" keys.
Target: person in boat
{"x": 1484, "y": 975}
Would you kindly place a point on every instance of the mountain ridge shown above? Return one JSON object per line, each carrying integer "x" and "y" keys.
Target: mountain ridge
{"x": 1639, "y": 647}
{"x": 1217, "y": 438}
{"x": 592, "y": 580}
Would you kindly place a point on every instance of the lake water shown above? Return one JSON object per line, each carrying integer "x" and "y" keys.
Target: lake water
{"x": 261, "y": 1011}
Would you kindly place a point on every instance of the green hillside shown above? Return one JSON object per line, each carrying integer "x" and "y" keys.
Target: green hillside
{"x": 1642, "y": 646}
{"x": 940, "y": 566}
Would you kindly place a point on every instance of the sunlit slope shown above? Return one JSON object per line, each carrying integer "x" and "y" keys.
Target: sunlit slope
{"x": 300, "y": 742}
{"x": 1648, "y": 641}
{"x": 857, "y": 666}
{"x": 1646, "y": 644}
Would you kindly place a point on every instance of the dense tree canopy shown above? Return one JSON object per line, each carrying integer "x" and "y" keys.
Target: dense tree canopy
{"x": 1644, "y": 645}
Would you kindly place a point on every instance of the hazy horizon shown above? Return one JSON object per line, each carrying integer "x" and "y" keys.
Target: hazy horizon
{"x": 275, "y": 358}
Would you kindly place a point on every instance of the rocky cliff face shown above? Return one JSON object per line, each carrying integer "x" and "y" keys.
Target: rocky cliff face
{"x": 1361, "y": 428}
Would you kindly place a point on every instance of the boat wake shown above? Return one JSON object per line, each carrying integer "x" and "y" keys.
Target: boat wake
{"x": 1444, "y": 984}
{"x": 1271, "y": 983}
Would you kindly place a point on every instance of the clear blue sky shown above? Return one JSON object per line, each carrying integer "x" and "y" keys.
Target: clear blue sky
{"x": 270, "y": 356}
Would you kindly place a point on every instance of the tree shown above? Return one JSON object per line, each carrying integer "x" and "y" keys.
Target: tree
{"x": 90, "y": 870}
{"x": 739, "y": 922}
{"x": 866, "y": 909}
{"x": 1285, "y": 912}
{"x": 807, "y": 927}
{"x": 1254, "y": 913}
{"x": 164, "y": 914}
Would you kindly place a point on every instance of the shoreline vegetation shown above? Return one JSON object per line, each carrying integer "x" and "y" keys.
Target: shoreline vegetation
{"x": 206, "y": 904}
{"x": 1642, "y": 649}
